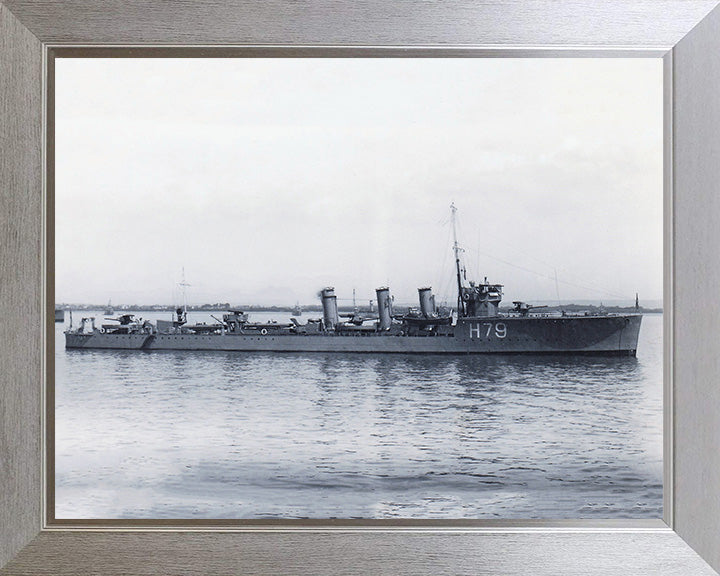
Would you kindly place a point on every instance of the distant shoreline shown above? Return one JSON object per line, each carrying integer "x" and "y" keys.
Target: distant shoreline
{"x": 573, "y": 308}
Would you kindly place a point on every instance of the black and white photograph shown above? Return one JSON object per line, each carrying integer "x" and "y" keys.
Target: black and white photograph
{"x": 358, "y": 288}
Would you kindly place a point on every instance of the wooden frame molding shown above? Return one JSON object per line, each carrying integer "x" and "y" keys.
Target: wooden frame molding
{"x": 685, "y": 33}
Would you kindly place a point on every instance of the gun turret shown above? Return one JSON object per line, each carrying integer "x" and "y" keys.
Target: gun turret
{"x": 522, "y": 308}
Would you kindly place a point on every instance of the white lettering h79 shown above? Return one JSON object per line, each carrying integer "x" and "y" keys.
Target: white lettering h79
{"x": 476, "y": 330}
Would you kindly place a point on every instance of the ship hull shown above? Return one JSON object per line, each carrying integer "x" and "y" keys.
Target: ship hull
{"x": 606, "y": 335}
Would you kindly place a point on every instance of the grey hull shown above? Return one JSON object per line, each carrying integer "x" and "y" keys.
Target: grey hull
{"x": 615, "y": 335}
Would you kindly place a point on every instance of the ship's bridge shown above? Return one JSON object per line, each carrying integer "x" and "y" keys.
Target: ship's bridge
{"x": 480, "y": 300}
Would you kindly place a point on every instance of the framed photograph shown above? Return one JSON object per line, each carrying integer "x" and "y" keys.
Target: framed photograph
{"x": 362, "y": 319}
{"x": 375, "y": 340}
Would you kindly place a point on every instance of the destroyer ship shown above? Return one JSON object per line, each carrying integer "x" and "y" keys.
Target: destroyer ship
{"x": 475, "y": 326}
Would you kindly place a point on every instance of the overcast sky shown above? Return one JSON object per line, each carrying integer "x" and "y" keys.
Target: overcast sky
{"x": 267, "y": 179}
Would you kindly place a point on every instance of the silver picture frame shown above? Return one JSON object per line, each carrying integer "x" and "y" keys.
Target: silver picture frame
{"x": 684, "y": 33}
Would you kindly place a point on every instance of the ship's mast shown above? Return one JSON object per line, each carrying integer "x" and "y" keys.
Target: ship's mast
{"x": 456, "y": 250}
{"x": 183, "y": 285}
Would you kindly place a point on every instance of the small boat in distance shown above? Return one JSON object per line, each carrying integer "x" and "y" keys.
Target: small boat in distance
{"x": 109, "y": 309}
{"x": 297, "y": 310}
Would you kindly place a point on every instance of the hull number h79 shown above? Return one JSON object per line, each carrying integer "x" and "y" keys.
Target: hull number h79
{"x": 487, "y": 329}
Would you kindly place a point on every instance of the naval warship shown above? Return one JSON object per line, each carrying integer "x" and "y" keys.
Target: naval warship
{"x": 475, "y": 326}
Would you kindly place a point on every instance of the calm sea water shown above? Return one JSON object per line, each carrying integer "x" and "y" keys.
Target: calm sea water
{"x": 258, "y": 435}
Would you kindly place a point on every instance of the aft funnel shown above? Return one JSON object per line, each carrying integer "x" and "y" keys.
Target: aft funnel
{"x": 330, "y": 311}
